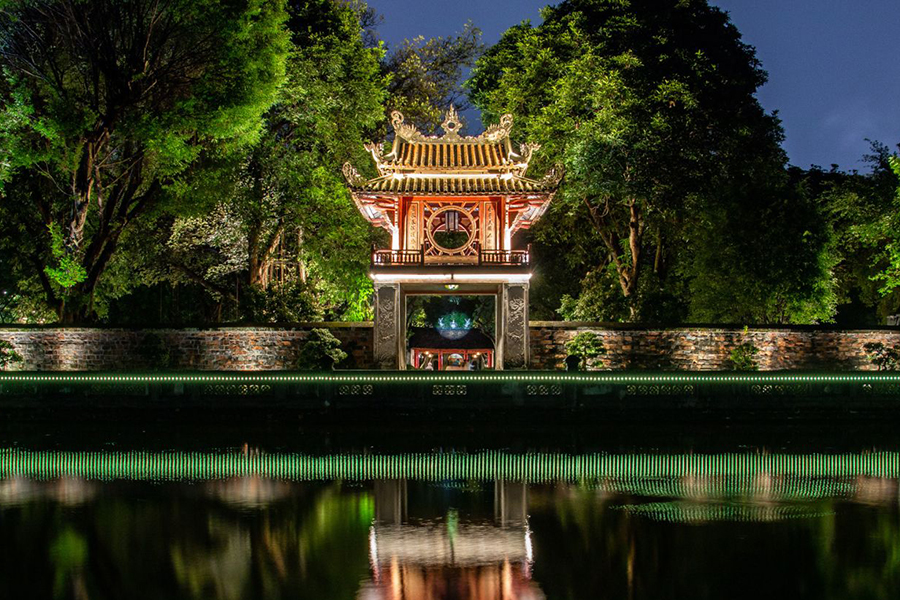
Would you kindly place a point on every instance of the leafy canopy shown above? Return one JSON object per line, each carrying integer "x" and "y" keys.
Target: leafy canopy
{"x": 115, "y": 109}
{"x": 650, "y": 107}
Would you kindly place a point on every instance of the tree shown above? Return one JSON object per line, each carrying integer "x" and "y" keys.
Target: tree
{"x": 290, "y": 192}
{"x": 890, "y": 274}
{"x": 859, "y": 207}
{"x": 764, "y": 254}
{"x": 426, "y": 75}
{"x": 285, "y": 242}
{"x": 116, "y": 109}
{"x": 649, "y": 105}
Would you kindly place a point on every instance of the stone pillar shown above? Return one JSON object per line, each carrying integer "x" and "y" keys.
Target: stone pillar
{"x": 390, "y": 501}
{"x": 499, "y": 336}
{"x": 387, "y": 326}
{"x": 510, "y": 502}
{"x": 515, "y": 325}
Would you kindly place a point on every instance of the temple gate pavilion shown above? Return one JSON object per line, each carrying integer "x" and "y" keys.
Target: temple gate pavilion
{"x": 452, "y": 205}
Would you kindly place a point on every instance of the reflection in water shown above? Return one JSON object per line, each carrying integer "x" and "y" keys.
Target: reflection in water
{"x": 440, "y": 560}
{"x": 703, "y": 527}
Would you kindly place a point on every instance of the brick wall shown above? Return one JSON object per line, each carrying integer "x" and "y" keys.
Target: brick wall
{"x": 276, "y": 348}
{"x": 201, "y": 349}
{"x": 708, "y": 348}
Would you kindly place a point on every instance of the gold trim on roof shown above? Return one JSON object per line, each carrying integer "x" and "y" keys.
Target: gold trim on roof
{"x": 459, "y": 185}
{"x": 451, "y": 126}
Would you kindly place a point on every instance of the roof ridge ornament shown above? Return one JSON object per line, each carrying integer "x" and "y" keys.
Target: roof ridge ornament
{"x": 405, "y": 130}
{"x": 451, "y": 125}
{"x": 553, "y": 176}
{"x": 352, "y": 175}
{"x": 498, "y": 131}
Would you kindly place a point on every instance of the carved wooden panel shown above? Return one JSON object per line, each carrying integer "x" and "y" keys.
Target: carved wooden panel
{"x": 413, "y": 239}
{"x": 490, "y": 226}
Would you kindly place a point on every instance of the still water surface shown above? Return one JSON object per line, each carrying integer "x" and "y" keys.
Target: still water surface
{"x": 125, "y": 516}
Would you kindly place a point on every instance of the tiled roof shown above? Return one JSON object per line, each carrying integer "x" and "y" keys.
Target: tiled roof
{"x": 450, "y": 184}
{"x": 450, "y": 164}
{"x": 450, "y": 155}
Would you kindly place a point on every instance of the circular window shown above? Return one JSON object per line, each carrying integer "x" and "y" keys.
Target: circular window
{"x": 451, "y": 230}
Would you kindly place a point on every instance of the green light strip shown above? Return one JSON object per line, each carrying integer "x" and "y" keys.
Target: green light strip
{"x": 438, "y": 467}
{"x": 595, "y": 378}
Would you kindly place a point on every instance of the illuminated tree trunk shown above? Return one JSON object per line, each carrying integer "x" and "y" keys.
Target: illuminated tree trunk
{"x": 628, "y": 266}
{"x": 260, "y": 257}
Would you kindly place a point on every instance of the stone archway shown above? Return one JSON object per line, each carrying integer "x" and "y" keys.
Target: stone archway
{"x": 511, "y": 305}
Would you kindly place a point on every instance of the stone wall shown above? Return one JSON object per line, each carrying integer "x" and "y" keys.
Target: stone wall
{"x": 276, "y": 347}
{"x": 201, "y": 349}
{"x": 707, "y": 348}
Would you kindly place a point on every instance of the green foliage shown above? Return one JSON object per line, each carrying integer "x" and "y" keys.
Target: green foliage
{"x": 743, "y": 357}
{"x": 155, "y": 352}
{"x": 451, "y": 239}
{"x": 110, "y": 118}
{"x": 68, "y": 271}
{"x": 883, "y": 357}
{"x": 424, "y": 75}
{"x": 293, "y": 302}
{"x": 778, "y": 273}
{"x": 286, "y": 201}
{"x": 588, "y": 347}
{"x": 858, "y": 208}
{"x": 321, "y": 352}
{"x": 8, "y": 356}
{"x": 427, "y": 311}
{"x": 890, "y": 226}
{"x": 649, "y": 106}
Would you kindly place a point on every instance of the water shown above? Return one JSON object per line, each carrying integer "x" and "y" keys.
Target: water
{"x": 102, "y": 510}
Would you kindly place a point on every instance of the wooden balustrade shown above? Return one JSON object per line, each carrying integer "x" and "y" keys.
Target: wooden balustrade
{"x": 506, "y": 258}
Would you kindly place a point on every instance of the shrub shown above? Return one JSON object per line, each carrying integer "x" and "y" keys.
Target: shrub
{"x": 321, "y": 351}
{"x": 743, "y": 357}
{"x": 8, "y": 355}
{"x": 883, "y": 357}
{"x": 155, "y": 352}
{"x": 586, "y": 346}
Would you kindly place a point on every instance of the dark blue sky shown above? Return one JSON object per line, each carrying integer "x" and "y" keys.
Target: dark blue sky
{"x": 834, "y": 65}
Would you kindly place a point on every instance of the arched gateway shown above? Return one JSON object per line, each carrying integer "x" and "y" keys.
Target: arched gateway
{"x": 452, "y": 205}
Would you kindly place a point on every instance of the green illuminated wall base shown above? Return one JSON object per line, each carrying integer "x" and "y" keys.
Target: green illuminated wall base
{"x": 762, "y": 394}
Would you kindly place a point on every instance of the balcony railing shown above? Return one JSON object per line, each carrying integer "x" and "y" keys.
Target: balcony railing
{"x": 503, "y": 258}
{"x": 386, "y": 258}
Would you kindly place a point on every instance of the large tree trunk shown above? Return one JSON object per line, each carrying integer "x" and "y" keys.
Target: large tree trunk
{"x": 260, "y": 256}
{"x": 628, "y": 267}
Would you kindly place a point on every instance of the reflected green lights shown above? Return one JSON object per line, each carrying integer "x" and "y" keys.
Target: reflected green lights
{"x": 437, "y": 467}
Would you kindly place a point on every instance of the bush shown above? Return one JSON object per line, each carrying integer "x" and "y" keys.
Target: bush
{"x": 8, "y": 355}
{"x": 293, "y": 302}
{"x": 883, "y": 357}
{"x": 155, "y": 353}
{"x": 321, "y": 352}
{"x": 587, "y": 347}
{"x": 743, "y": 357}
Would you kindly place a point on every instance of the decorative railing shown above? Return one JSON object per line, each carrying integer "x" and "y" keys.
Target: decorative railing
{"x": 397, "y": 257}
{"x": 505, "y": 258}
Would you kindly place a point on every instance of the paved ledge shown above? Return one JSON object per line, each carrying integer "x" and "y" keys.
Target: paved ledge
{"x": 452, "y": 377}
{"x": 372, "y": 397}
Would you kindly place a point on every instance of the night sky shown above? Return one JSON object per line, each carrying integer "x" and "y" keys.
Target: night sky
{"x": 834, "y": 65}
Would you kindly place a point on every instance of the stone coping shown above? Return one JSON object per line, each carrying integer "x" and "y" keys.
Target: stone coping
{"x": 606, "y": 326}
{"x": 587, "y": 325}
{"x": 194, "y": 327}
